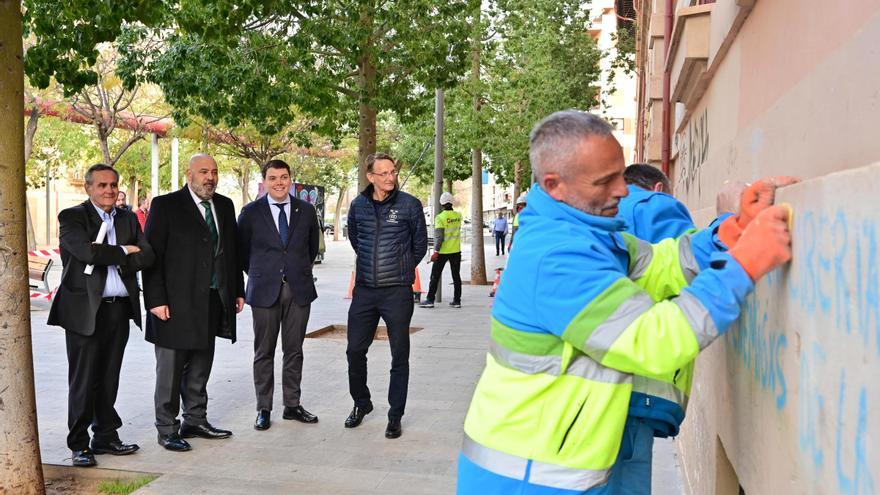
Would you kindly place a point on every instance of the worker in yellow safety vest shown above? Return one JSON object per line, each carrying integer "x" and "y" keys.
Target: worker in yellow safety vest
{"x": 583, "y": 306}
{"x": 447, "y": 247}
{"x": 520, "y": 204}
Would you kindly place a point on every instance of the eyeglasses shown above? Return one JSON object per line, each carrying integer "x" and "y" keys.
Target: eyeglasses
{"x": 385, "y": 175}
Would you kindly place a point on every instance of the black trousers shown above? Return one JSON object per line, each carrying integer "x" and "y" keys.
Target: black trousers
{"x": 93, "y": 376}
{"x": 395, "y": 306}
{"x": 291, "y": 320}
{"x": 183, "y": 374}
{"x": 454, "y": 260}
{"x": 499, "y": 242}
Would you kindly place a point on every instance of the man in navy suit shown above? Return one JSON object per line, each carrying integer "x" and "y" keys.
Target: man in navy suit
{"x": 278, "y": 239}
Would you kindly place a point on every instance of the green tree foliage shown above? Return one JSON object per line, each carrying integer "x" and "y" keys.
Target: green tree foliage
{"x": 67, "y": 33}
{"x": 60, "y": 147}
{"x": 260, "y": 61}
{"x": 545, "y": 61}
{"x": 537, "y": 58}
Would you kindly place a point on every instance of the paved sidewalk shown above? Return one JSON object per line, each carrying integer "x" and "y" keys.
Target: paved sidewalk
{"x": 446, "y": 360}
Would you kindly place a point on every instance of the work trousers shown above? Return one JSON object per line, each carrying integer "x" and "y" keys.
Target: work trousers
{"x": 499, "y": 242}
{"x": 631, "y": 473}
{"x": 291, "y": 320}
{"x": 454, "y": 260}
{"x": 183, "y": 374}
{"x": 94, "y": 363}
{"x": 395, "y": 306}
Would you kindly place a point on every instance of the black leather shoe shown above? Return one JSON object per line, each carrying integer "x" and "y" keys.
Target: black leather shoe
{"x": 299, "y": 414}
{"x": 262, "y": 422}
{"x": 393, "y": 430}
{"x": 116, "y": 447}
{"x": 83, "y": 458}
{"x": 203, "y": 431}
{"x": 357, "y": 415}
{"x": 174, "y": 442}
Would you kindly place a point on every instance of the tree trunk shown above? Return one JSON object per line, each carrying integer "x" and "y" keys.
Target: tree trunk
{"x": 20, "y": 464}
{"x": 105, "y": 147}
{"x": 244, "y": 181}
{"x": 366, "y": 106}
{"x": 132, "y": 191}
{"x": 366, "y": 140}
{"x": 478, "y": 253}
{"x": 449, "y": 186}
{"x": 517, "y": 181}
{"x": 337, "y": 224}
{"x": 30, "y": 132}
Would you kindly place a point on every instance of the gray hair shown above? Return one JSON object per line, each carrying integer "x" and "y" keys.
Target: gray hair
{"x": 553, "y": 141}
{"x": 98, "y": 167}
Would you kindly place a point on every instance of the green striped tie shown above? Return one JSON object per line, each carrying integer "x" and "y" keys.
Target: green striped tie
{"x": 215, "y": 237}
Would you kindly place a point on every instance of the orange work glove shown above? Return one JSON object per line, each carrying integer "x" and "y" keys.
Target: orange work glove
{"x": 759, "y": 196}
{"x": 729, "y": 232}
{"x": 756, "y": 198}
{"x": 435, "y": 256}
{"x": 765, "y": 244}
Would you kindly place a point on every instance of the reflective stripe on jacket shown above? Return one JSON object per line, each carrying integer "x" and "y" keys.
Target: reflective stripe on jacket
{"x": 661, "y": 400}
{"x": 580, "y": 309}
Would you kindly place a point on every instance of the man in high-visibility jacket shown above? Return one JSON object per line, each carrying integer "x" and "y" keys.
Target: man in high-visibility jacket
{"x": 520, "y": 204}
{"x": 657, "y": 406}
{"x": 583, "y": 306}
{"x": 447, "y": 247}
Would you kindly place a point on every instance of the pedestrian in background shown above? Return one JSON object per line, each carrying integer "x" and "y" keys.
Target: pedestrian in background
{"x": 520, "y": 204}
{"x": 499, "y": 230}
{"x": 121, "y": 201}
{"x": 143, "y": 212}
{"x": 447, "y": 247}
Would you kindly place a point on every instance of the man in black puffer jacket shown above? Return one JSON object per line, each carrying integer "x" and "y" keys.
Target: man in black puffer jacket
{"x": 386, "y": 228}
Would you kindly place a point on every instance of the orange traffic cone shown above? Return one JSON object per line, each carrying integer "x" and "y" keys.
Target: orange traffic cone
{"x": 417, "y": 287}
{"x": 497, "y": 281}
{"x": 350, "y": 287}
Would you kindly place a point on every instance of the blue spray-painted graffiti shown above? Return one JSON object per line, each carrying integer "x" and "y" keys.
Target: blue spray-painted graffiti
{"x": 860, "y": 480}
{"x": 761, "y": 349}
{"x": 834, "y": 259}
{"x": 834, "y": 281}
{"x": 812, "y": 405}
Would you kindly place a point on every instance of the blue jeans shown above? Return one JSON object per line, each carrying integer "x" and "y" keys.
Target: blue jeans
{"x": 631, "y": 473}
{"x": 499, "y": 242}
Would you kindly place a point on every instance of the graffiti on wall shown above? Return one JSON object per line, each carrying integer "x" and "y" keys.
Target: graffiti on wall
{"x": 761, "y": 347}
{"x": 836, "y": 283}
{"x": 693, "y": 150}
{"x": 824, "y": 311}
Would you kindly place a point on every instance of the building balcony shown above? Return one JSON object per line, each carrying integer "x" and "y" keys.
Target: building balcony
{"x": 689, "y": 52}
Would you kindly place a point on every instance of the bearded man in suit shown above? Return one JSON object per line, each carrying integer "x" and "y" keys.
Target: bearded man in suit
{"x": 193, "y": 291}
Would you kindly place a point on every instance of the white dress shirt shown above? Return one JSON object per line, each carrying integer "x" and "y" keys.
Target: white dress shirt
{"x": 276, "y": 212}
{"x": 113, "y": 287}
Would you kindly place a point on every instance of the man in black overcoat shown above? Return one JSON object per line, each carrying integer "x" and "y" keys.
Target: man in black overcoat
{"x": 193, "y": 292}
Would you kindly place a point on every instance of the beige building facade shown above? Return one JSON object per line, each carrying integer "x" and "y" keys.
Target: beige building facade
{"x": 787, "y": 402}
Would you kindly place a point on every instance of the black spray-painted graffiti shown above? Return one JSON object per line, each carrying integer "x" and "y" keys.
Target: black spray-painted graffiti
{"x": 693, "y": 149}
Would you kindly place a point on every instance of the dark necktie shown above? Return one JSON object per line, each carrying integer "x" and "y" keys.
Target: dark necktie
{"x": 212, "y": 228}
{"x": 282, "y": 223}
